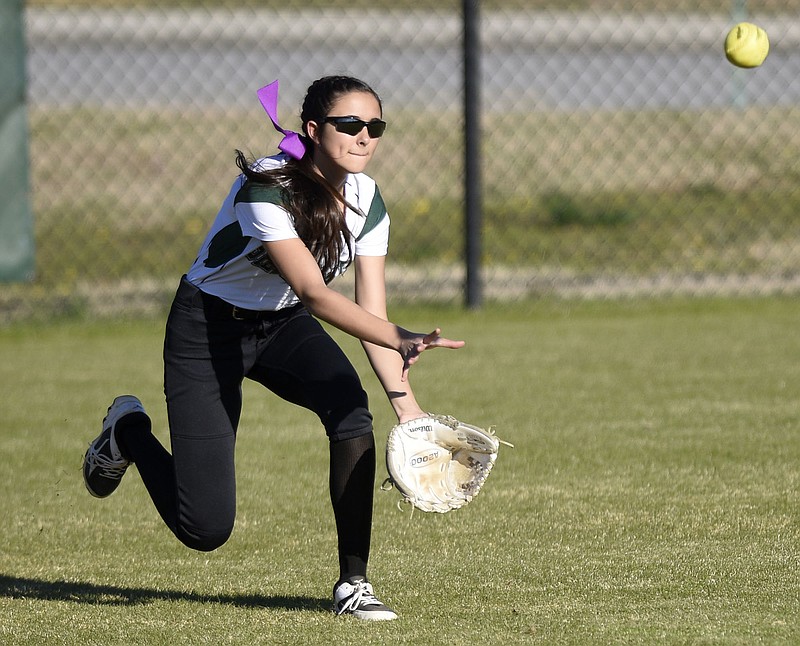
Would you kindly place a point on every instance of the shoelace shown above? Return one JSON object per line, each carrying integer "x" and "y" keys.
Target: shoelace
{"x": 362, "y": 596}
{"x": 108, "y": 467}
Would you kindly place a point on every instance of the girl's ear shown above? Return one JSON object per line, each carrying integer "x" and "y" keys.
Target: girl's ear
{"x": 312, "y": 130}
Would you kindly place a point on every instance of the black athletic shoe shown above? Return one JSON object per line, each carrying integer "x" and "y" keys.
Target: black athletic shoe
{"x": 103, "y": 464}
{"x": 355, "y": 597}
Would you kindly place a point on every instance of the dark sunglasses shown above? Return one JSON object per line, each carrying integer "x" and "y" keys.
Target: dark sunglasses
{"x": 353, "y": 125}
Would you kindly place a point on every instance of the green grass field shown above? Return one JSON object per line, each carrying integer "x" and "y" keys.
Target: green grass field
{"x": 652, "y": 497}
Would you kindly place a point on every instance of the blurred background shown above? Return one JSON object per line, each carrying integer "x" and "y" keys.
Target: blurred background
{"x": 620, "y": 154}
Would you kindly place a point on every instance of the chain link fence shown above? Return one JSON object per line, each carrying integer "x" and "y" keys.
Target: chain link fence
{"x": 621, "y": 154}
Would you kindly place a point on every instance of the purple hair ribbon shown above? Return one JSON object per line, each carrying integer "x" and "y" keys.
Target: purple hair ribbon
{"x": 291, "y": 143}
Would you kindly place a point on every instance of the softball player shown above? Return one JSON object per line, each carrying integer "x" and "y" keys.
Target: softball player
{"x": 248, "y": 307}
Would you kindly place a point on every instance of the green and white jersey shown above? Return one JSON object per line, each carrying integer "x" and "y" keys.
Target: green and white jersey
{"x": 232, "y": 263}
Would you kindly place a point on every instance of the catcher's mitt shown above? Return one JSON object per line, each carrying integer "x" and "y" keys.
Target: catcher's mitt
{"x": 438, "y": 463}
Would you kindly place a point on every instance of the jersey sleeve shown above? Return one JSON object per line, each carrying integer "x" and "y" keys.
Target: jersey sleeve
{"x": 376, "y": 241}
{"x": 261, "y": 214}
{"x": 373, "y": 238}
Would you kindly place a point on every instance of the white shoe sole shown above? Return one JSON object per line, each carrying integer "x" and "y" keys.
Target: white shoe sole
{"x": 120, "y": 407}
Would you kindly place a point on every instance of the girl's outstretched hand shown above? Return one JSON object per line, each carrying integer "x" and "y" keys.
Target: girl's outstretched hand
{"x": 415, "y": 345}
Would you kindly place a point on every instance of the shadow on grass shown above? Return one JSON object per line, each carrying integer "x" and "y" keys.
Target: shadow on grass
{"x": 93, "y": 594}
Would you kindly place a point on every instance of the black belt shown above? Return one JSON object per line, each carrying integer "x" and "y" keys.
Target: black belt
{"x": 242, "y": 314}
{"x": 221, "y": 308}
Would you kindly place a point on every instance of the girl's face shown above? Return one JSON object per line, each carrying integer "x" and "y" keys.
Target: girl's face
{"x": 336, "y": 153}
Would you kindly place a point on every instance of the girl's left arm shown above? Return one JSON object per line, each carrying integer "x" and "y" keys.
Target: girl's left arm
{"x": 299, "y": 269}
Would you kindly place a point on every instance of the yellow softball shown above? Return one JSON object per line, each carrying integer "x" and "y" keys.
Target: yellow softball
{"x": 746, "y": 45}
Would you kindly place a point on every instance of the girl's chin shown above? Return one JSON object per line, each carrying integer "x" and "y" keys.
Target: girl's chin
{"x": 356, "y": 165}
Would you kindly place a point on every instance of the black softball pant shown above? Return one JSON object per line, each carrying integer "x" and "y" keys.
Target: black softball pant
{"x": 207, "y": 355}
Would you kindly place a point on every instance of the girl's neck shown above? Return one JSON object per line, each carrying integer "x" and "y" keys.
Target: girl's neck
{"x": 336, "y": 176}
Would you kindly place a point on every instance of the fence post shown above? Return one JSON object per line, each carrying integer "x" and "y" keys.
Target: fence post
{"x": 472, "y": 157}
{"x": 16, "y": 221}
